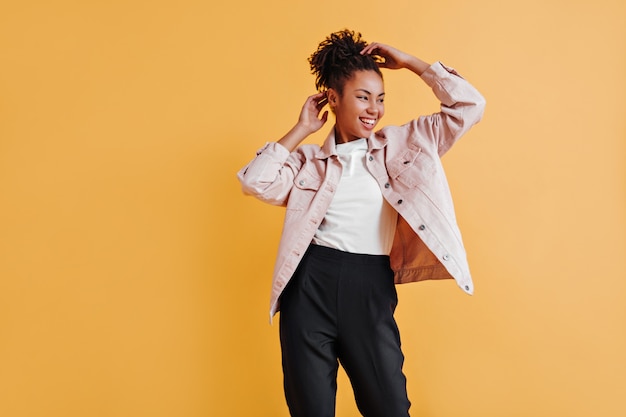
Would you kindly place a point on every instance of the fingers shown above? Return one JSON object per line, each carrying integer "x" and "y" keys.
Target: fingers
{"x": 390, "y": 57}
{"x": 380, "y": 50}
{"x": 318, "y": 96}
{"x": 310, "y": 114}
{"x": 372, "y": 47}
{"x": 319, "y": 100}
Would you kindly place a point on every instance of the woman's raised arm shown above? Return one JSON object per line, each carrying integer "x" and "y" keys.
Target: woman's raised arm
{"x": 395, "y": 58}
{"x": 309, "y": 121}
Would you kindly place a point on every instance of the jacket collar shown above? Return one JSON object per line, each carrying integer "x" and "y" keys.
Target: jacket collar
{"x": 376, "y": 140}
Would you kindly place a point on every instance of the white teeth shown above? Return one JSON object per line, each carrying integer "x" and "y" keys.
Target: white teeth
{"x": 369, "y": 121}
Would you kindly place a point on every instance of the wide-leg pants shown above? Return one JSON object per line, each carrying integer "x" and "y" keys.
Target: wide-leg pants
{"x": 338, "y": 307}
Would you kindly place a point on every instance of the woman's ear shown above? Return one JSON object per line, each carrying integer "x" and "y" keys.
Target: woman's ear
{"x": 332, "y": 96}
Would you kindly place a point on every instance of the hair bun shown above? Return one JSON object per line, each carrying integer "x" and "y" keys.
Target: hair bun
{"x": 337, "y": 57}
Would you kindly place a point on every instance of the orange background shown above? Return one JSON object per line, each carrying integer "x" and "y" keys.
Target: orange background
{"x": 134, "y": 276}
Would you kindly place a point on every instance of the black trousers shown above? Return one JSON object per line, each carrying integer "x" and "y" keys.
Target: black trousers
{"x": 338, "y": 308}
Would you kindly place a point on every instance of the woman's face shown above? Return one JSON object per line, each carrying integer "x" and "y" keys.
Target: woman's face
{"x": 359, "y": 108}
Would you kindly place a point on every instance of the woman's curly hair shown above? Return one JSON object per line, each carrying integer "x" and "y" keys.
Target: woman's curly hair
{"x": 338, "y": 57}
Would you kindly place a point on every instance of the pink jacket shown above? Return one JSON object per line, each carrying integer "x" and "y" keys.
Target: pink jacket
{"x": 405, "y": 160}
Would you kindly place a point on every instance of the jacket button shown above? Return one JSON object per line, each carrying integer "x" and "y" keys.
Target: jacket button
{"x": 467, "y": 288}
{"x": 400, "y": 201}
{"x": 387, "y": 185}
{"x": 301, "y": 182}
{"x": 371, "y": 158}
{"x": 422, "y": 227}
{"x": 446, "y": 257}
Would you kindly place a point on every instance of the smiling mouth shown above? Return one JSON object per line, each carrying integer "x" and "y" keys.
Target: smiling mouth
{"x": 368, "y": 122}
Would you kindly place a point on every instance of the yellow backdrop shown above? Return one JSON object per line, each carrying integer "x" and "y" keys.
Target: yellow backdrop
{"x": 134, "y": 276}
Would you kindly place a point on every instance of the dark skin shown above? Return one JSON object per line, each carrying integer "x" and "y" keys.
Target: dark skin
{"x": 310, "y": 120}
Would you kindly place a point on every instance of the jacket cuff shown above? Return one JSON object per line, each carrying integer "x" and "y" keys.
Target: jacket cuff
{"x": 274, "y": 148}
{"x": 436, "y": 72}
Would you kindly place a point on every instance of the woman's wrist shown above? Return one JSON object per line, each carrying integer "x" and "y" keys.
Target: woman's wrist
{"x": 416, "y": 65}
{"x": 296, "y": 135}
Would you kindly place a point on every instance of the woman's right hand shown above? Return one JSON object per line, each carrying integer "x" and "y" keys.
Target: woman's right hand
{"x": 309, "y": 116}
{"x": 309, "y": 121}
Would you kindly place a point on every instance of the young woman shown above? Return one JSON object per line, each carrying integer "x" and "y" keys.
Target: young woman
{"x": 365, "y": 210}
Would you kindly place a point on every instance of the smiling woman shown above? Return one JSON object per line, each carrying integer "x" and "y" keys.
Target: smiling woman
{"x": 131, "y": 265}
{"x": 359, "y": 109}
{"x": 353, "y": 227}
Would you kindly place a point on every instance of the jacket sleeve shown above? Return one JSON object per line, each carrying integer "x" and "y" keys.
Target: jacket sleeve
{"x": 269, "y": 176}
{"x": 462, "y": 106}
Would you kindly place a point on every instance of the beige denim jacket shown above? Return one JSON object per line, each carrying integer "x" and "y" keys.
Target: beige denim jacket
{"x": 405, "y": 160}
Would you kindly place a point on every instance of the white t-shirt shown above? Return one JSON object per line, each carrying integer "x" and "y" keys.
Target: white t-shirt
{"x": 358, "y": 220}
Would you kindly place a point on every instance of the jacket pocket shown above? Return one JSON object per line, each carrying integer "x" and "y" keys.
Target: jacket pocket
{"x": 411, "y": 168}
{"x": 305, "y": 186}
{"x": 306, "y": 180}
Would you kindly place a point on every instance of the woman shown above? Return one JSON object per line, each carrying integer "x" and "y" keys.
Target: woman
{"x": 365, "y": 210}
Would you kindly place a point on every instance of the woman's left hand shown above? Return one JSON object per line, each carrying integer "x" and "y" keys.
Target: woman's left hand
{"x": 393, "y": 58}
